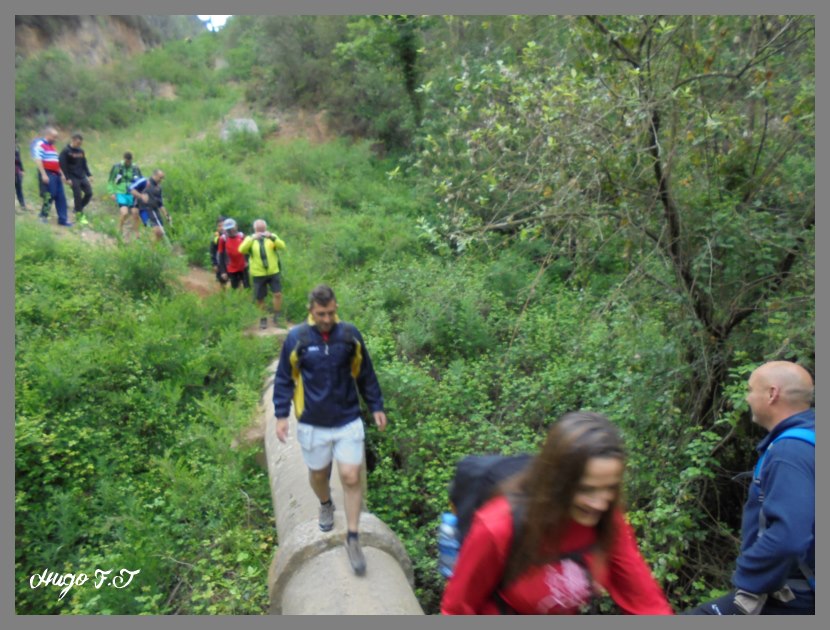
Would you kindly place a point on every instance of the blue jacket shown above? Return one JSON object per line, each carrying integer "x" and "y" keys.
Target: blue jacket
{"x": 786, "y": 494}
{"x": 323, "y": 379}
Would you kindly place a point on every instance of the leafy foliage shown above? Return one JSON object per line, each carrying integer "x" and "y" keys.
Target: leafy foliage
{"x": 127, "y": 397}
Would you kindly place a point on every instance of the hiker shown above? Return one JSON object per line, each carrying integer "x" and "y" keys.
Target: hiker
{"x": 323, "y": 365}
{"x": 261, "y": 248}
{"x": 571, "y": 536}
{"x": 77, "y": 174}
{"x": 18, "y": 175}
{"x": 214, "y": 250}
{"x": 122, "y": 175}
{"x": 232, "y": 264}
{"x": 773, "y": 570}
{"x": 150, "y": 202}
{"x": 51, "y": 177}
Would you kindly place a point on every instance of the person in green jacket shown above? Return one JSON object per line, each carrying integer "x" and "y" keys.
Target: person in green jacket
{"x": 261, "y": 247}
{"x": 122, "y": 174}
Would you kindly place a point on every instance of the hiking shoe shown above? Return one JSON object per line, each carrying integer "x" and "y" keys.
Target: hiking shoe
{"x": 82, "y": 219}
{"x": 43, "y": 219}
{"x": 326, "y": 517}
{"x": 276, "y": 319}
{"x": 66, "y": 225}
{"x": 263, "y": 323}
{"x": 356, "y": 558}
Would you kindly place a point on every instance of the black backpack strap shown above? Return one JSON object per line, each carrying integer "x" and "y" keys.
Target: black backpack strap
{"x": 349, "y": 335}
{"x": 263, "y": 254}
{"x": 304, "y": 333}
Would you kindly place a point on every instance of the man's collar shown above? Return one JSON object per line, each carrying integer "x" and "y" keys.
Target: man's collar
{"x": 310, "y": 320}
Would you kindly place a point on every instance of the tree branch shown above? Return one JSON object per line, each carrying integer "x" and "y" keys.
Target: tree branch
{"x": 627, "y": 54}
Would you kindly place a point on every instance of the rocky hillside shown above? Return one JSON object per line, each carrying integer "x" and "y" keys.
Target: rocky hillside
{"x": 97, "y": 39}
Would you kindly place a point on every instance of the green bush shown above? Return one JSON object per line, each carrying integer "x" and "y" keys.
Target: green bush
{"x": 127, "y": 395}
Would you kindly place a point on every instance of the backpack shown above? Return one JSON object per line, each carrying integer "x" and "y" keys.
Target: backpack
{"x": 795, "y": 433}
{"x": 118, "y": 171}
{"x": 475, "y": 481}
{"x": 263, "y": 256}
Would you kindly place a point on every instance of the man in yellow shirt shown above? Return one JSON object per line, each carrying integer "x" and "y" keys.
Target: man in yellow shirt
{"x": 262, "y": 248}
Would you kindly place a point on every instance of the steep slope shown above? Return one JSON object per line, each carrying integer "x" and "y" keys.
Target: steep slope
{"x": 98, "y": 39}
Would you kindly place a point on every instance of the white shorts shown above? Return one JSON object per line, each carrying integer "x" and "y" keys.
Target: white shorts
{"x": 319, "y": 444}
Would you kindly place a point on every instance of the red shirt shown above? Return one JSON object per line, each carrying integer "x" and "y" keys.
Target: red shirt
{"x": 230, "y": 245}
{"x": 558, "y": 588}
{"x": 46, "y": 153}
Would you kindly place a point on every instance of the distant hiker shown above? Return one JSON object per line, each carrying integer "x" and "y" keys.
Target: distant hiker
{"x": 77, "y": 173}
{"x": 18, "y": 174}
{"x": 261, "y": 248}
{"x": 51, "y": 177}
{"x": 150, "y": 202}
{"x": 323, "y": 365}
{"x": 554, "y": 531}
{"x": 122, "y": 175}
{"x": 214, "y": 250}
{"x": 775, "y": 570}
{"x": 232, "y": 263}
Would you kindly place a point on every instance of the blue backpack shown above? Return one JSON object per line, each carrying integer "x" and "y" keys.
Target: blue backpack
{"x": 796, "y": 433}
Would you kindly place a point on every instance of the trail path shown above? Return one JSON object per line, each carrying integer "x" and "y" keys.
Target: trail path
{"x": 195, "y": 280}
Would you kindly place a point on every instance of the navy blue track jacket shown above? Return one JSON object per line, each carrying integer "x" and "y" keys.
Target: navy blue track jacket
{"x": 323, "y": 379}
{"x": 786, "y": 494}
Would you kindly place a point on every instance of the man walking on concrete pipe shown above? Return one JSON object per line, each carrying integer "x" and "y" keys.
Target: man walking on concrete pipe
{"x": 323, "y": 365}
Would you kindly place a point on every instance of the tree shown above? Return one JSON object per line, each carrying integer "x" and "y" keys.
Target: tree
{"x": 686, "y": 140}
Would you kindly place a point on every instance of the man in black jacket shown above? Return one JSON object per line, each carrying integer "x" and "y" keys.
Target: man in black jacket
{"x": 75, "y": 169}
{"x": 151, "y": 202}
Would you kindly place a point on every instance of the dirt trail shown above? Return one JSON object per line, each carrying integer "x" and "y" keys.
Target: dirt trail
{"x": 201, "y": 282}
{"x": 196, "y": 280}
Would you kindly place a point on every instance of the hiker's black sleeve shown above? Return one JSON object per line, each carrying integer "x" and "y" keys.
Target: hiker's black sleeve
{"x": 86, "y": 168}
{"x": 367, "y": 380}
{"x": 284, "y": 380}
{"x": 214, "y": 259}
{"x": 222, "y": 257}
{"x": 63, "y": 159}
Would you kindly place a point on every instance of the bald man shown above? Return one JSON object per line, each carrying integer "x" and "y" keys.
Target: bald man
{"x": 261, "y": 247}
{"x": 51, "y": 180}
{"x": 773, "y": 571}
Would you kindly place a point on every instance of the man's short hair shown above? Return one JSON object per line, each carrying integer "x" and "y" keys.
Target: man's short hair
{"x": 77, "y": 136}
{"x": 322, "y": 294}
{"x": 128, "y": 155}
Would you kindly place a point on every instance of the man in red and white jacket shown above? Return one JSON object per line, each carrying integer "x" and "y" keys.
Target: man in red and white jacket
{"x": 51, "y": 177}
{"x": 233, "y": 266}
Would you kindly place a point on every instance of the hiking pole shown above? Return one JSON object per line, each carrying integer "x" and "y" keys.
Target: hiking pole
{"x": 161, "y": 227}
